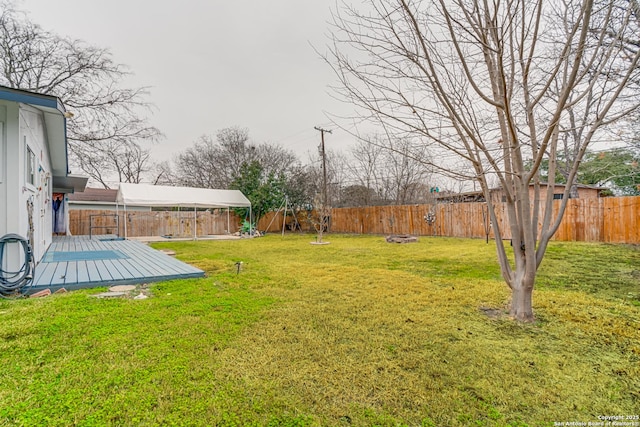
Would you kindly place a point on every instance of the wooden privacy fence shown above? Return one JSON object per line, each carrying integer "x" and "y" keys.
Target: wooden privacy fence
{"x": 608, "y": 219}
{"x": 154, "y": 223}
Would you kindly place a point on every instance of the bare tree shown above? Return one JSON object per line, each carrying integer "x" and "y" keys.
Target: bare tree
{"x": 233, "y": 149}
{"x": 131, "y": 163}
{"x": 406, "y": 170}
{"x": 489, "y": 85}
{"x": 301, "y": 187}
{"x": 216, "y": 163}
{"x": 365, "y": 170}
{"x": 201, "y": 166}
{"x": 396, "y": 170}
{"x": 162, "y": 174}
{"x": 85, "y": 78}
{"x": 358, "y": 195}
{"x": 111, "y": 160}
{"x": 337, "y": 175}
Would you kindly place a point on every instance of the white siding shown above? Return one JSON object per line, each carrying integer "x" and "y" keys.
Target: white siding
{"x": 3, "y": 167}
{"x": 24, "y": 125}
{"x": 32, "y": 136}
{"x": 11, "y": 183}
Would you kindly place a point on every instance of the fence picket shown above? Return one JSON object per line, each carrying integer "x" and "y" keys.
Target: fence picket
{"x": 607, "y": 219}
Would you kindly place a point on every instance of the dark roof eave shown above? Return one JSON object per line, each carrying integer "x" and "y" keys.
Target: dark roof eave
{"x": 69, "y": 184}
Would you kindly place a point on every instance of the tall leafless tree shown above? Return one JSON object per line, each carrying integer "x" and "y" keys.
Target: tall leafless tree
{"x": 337, "y": 175}
{"x": 490, "y": 85}
{"x": 323, "y": 199}
{"x": 162, "y": 173}
{"x": 201, "y": 165}
{"x": 215, "y": 163}
{"x": 112, "y": 161}
{"x": 88, "y": 82}
{"x": 397, "y": 171}
{"x": 406, "y": 171}
{"x": 365, "y": 171}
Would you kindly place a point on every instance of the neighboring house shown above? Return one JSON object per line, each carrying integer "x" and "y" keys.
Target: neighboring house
{"x": 584, "y": 192}
{"x": 34, "y": 173}
{"x": 102, "y": 199}
{"x": 497, "y": 195}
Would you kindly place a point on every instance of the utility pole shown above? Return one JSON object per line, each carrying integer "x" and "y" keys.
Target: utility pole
{"x": 324, "y": 164}
{"x": 323, "y": 210}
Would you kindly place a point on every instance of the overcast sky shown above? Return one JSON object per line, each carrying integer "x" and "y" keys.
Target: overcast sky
{"x": 215, "y": 64}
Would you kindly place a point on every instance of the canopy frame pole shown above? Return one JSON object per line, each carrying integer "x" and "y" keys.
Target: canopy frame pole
{"x": 195, "y": 222}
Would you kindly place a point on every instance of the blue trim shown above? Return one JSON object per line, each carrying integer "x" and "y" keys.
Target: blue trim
{"x": 31, "y": 98}
{"x": 66, "y": 144}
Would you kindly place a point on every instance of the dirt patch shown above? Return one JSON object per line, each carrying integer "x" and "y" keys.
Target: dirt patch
{"x": 493, "y": 313}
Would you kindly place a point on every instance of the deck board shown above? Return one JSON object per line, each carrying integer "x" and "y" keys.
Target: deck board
{"x": 141, "y": 265}
{"x": 103, "y": 271}
{"x": 45, "y": 275}
{"x": 82, "y": 273}
{"x": 72, "y": 271}
{"x": 92, "y": 271}
{"x": 135, "y": 269}
{"x": 60, "y": 273}
{"x": 116, "y": 271}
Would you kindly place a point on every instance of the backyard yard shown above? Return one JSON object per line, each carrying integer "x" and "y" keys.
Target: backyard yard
{"x": 359, "y": 332}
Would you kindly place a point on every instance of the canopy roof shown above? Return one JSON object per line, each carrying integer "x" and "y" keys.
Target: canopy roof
{"x": 165, "y": 196}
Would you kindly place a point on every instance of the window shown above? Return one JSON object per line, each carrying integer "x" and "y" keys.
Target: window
{"x": 31, "y": 165}
{"x": 557, "y": 196}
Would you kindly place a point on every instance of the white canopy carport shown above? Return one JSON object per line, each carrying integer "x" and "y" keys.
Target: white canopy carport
{"x": 180, "y": 197}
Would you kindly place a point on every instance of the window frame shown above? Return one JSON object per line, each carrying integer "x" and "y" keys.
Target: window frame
{"x": 31, "y": 167}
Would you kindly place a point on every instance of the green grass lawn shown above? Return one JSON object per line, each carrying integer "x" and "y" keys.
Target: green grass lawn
{"x": 356, "y": 333}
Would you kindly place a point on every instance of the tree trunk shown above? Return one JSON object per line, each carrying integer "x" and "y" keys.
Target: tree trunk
{"x": 521, "y": 302}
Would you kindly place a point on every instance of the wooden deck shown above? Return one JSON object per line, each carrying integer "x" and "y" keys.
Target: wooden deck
{"x": 74, "y": 262}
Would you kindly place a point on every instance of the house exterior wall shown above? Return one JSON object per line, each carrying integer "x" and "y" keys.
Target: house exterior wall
{"x": 583, "y": 192}
{"x": 10, "y": 190}
{"x": 3, "y": 168}
{"x": 28, "y": 198}
{"x": 32, "y": 133}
